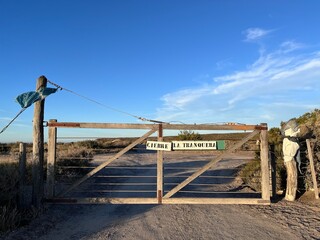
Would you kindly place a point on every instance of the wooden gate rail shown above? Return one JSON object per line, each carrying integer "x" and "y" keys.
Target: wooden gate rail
{"x": 243, "y": 127}
{"x": 160, "y": 199}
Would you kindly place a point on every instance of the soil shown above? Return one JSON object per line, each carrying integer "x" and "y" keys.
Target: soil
{"x": 280, "y": 220}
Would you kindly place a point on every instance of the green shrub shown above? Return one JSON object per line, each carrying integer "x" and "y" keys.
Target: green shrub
{"x": 189, "y": 135}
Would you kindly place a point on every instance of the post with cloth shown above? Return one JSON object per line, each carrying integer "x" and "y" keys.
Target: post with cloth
{"x": 38, "y": 147}
{"x": 291, "y": 155}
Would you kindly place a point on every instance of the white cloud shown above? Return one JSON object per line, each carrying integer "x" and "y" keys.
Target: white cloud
{"x": 254, "y": 93}
{"x": 253, "y": 34}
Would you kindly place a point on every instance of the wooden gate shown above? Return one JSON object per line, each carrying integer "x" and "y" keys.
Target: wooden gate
{"x": 161, "y": 196}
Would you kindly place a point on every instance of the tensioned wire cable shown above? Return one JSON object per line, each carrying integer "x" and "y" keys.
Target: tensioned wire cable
{"x": 104, "y": 105}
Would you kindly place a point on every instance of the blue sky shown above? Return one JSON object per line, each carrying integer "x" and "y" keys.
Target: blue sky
{"x": 188, "y": 61}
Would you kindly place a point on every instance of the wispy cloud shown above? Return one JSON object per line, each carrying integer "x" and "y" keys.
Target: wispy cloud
{"x": 223, "y": 64}
{"x": 292, "y": 45}
{"x": 252, "y": 34}
{"x": 5, "y": 119}
{"x": 254, "y": 94}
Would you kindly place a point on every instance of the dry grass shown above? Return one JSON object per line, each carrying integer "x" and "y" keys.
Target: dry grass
{"x": 9, "y": 177}
{"x": 11, "y": 216}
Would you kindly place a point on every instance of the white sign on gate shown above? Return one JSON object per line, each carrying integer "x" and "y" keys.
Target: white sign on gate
{"x": 194, "y": 145}
{"x": 164, "y": 146}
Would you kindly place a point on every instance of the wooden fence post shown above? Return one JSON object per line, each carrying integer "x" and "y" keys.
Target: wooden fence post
{"x": 22, "y": 175}
{"x": 264, "y": 156}
{"x": 273, "y": 171}
{"x": 38, "y": 147}
{"x": 313, "y": 172}
{"x": 51, "y": 160}
{"x": 160, "y": 167}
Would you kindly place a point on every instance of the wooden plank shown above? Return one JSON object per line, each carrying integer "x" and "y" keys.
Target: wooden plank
{"x": 106, "y": 163}
{"x": 253, "y": 201}
{"x": 160, "y": 167}
{"x": 38, "y": 146}
{"x": 51, "y": 161}
{"x": 103, "y": 200}
{"x": 215, "y": 201}
{"x": 313, "y": 172}
{"x": 211, "y": 127}
{"x": 22, "y": 175}
{"x": 264, "y": 156}
{"x": 102, "y": 125}
{"x": 210, "y": 164}
{"x": 165, "y": 126}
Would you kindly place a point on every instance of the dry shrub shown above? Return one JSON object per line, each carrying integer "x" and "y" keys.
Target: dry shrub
{"x": 74, "y": 156}
{"x": 250, "y": 174}
{"x": 9, "y": 178}
{"x": 9, "y": 218}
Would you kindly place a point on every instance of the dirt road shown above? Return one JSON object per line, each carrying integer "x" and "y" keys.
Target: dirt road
{"x": 281, "y": 220}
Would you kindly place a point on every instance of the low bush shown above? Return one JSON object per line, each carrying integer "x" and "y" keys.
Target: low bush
{"x": 189, "y": 135}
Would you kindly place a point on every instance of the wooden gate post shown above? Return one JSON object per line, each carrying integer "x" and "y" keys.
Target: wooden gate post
{"x": 38, "y": 147}
{"x": 264, "y": 156}
{"x": 160, "y": 167}
{"x": 273, "y": 171}
{"x": 313, "y": 172}
{"x": 22, "y": 175}
{"x": 51, "y": 161}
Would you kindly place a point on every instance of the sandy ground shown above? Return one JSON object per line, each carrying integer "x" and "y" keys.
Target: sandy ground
{"x": 281, "y": 220}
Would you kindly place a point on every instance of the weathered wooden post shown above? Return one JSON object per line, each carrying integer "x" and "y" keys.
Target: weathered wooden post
{"x": 22, "y": 175}
{"x": 38, "y": 147}
{"x": 264, "y": 155}
{"x": 51, "y": 161}
{"x": 313, "y": 172}
{"x": 160, "y": 167}
{"x": 273, "y": 171}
